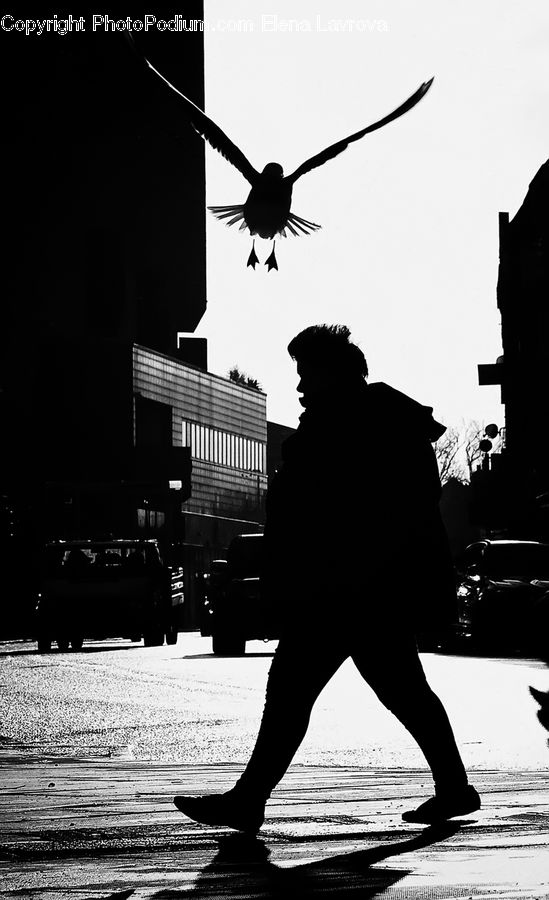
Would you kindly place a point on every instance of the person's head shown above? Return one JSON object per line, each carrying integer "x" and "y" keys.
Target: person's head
{"x": 327, "y": 361}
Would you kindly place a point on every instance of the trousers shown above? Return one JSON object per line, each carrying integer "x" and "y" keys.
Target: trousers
{"x": 388, "y": 660}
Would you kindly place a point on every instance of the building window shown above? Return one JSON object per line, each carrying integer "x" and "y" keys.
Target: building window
{"x": 223, "y": 448}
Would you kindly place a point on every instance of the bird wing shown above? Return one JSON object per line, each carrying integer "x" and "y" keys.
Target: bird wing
{"x": 207, "y": 129}
{"x": 335, "y": 149}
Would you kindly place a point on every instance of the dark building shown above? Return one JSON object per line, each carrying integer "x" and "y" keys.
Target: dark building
{"x": 455, "y": 509}
{"x": 514, "y": 493}
{"x": 103, "y": 189}
{"x": 103, "y": 193}
{"x": 104, "y": 250}
{"x": 276, "y": 435}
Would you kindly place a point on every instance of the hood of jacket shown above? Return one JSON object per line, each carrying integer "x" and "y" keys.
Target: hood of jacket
{"x": 402, "y": 412}
{"x": 375, "y": 408}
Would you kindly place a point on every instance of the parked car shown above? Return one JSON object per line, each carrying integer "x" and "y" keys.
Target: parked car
{"x": 234, "y": 610}
{"x": 503, "y": 595}
{"x": 100, "y": 589}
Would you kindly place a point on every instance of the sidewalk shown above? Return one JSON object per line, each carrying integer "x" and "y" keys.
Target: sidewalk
{"x": 107, "y": 828}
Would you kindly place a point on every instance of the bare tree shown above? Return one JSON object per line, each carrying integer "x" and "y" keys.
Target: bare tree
{"x": 458, "y": 450}
{"x": 473, "y": 433}
{"x": 447, "y": 452}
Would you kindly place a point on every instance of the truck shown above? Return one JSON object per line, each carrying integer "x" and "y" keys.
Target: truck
{"x": 97, "y": 589}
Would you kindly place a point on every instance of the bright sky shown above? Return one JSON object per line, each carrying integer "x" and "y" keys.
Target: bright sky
{"x": 408, "y": 252}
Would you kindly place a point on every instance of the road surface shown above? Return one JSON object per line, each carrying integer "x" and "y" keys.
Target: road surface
{"x": 96, "y": 743}
{"x": 182, "y": 703}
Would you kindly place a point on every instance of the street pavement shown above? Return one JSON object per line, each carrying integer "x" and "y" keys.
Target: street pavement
{"x": 182, "y": 704}
{"x": 107, "y": 828}
{"x": 94, "y": 745}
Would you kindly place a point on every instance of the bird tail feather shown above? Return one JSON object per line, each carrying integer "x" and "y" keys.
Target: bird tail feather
{"x": 233, "y": 213}
{"x": 304, "y": 226}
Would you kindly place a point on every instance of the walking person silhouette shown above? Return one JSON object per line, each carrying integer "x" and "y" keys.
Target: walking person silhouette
{"x": 352, "y": 516}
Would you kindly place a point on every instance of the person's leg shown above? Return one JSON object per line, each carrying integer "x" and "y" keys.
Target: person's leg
{"x": 393, "y": 669}
{"x": 298, "y": 674}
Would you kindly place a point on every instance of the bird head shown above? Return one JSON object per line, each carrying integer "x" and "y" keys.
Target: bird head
{"x": 275, "y": 170}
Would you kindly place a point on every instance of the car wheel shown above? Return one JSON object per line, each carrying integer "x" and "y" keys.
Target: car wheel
{"x": 63, "y": 644}
{"x": 228, "y": 646}
{"x": 77, "y": 642}
{"x": 44, "y": 644}
{"x": 171, "y": 636}
{"x": 153, "y": 638}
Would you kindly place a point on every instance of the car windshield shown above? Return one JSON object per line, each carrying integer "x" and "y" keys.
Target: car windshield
{"x": 517, "y": 561}
{"x": 66, "y": 559}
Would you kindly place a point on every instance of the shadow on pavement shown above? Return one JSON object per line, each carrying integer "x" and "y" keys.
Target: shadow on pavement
{"x": 118, "y": 895}
{"x": 227, "y": 656}
{"x": 242, "y": 868}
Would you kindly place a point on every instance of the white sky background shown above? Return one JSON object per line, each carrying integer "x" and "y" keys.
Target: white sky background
{"x": 408, "y": 252}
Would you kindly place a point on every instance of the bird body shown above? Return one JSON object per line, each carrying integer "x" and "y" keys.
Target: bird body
{"x": 268, "y": 205}
{"x": 267, "y": 210}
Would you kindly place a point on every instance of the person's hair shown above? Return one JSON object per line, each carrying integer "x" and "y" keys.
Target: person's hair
{"x": 328, "y": 346}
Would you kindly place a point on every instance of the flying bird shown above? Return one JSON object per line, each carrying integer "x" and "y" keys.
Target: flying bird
{"x": 267, "y": 210}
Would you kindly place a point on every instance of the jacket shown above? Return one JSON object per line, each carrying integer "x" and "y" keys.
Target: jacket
{"x": 353, "y": 515}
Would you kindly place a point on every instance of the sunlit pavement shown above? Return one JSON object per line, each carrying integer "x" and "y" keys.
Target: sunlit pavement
{"x": 83, "y": 817}
{"x": 94, "y": 829}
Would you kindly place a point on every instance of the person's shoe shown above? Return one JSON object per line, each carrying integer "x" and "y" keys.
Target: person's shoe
{"x": 445, "y": 806}
{"x": 227, "y": 809}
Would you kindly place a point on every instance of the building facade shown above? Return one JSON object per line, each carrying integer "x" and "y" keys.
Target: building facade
{"x": 104, "y": 188}
{"x": 222, "y": 426}
{"x": 515, "y": 493}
